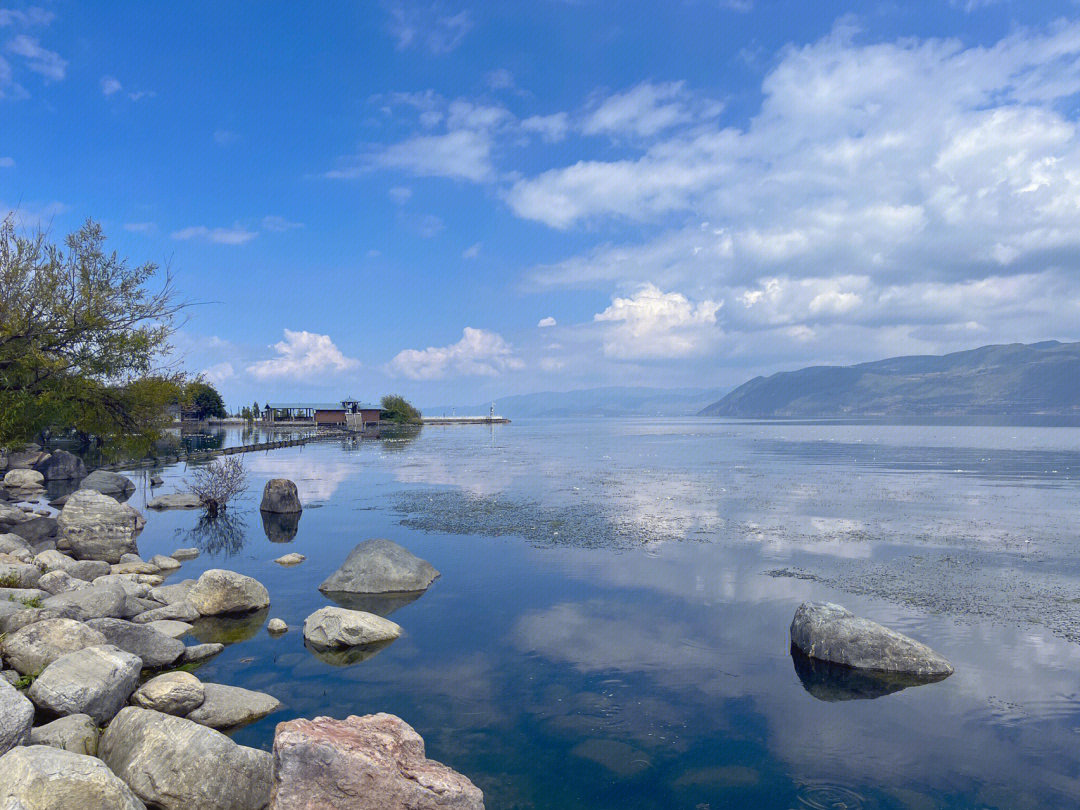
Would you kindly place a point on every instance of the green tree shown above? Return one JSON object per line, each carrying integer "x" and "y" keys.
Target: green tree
{"x": 396, "y": 408}
{"x": 204, "y": 399}
{"x": 81, "y": 334}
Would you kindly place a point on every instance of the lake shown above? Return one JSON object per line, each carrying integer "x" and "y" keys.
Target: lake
{"x": 610, "y": 629}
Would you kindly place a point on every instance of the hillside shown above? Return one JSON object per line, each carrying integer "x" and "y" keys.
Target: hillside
{"x": 1007, "y": 380}
{"x": 611, "y": 401}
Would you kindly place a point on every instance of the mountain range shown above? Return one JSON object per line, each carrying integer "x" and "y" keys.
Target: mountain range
{"x": 610, "y": 401}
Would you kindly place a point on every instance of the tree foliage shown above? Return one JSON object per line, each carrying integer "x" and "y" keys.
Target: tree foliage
{"x": 204, "y": 399}
{"x": 80, "y": 335}
{"x": 396, "y": 408}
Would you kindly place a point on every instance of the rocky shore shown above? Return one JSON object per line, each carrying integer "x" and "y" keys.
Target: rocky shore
{"x": 97, "y": 706}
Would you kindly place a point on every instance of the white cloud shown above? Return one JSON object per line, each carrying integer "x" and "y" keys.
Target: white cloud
{"x": 7, "y": 163}
{"x": 460, "y": 155}
{"x": 140, "y": 227}
{"x": 428, "y": 225}
{"x": 547, "y": 322}
{"x": 500, "y": 79}
{"x": 400, "y": 195}
{"x": 478, "y": 353}
{"x": 471, "y": 252}
{"x": 32, "y": 16}
{"x": 279, "y": 224}
{"x": 110, "y": 85}
{"x": 551, "y": 128}
{"x": 428, "y": 25}
{"x": 302, "y": 355}
{"x": 655, "y": 324}
{"x": 32, "y": 215}
{"x": 37, "y": 58}
{"x": 219, "y": 373}
{"x": 236, "y": 235}
{"x": 646, "y": 110}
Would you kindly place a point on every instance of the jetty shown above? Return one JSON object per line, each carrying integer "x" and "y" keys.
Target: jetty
{"x": 464, "y": 420}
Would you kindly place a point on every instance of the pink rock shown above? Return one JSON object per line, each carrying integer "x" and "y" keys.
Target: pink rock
{"x": 375, "y": 762}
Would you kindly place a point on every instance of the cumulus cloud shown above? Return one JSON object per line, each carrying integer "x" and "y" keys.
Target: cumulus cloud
{"x": 110, "y": 85}
{"x": 303, "y": 354}
{"x": 221, "y": 236}
{"x": 546, "y": 322}
{"x": 655, "y": 324}
{"x": 219, "y": 372}
{"x": 647, "y": 109}
{"x": 551, "y": 128}
{"x": 462, "y": 154}
{"x": 478, "y": 353}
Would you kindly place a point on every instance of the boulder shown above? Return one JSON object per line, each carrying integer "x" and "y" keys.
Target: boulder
{"x": 23, "y": 595}
{"x": 10, "y": 515}
{"x": 331, "y": 627}
{"x": 376, "y": 762}
{"x": 77, "y": 733}
{"x": 94, "y": 602}
{"x": 182, "y": 611}
{"x": 219, "y": 591}
{"x": 380, "y": 566}
{"x": 175, "y": 500}
{"x": 156, "y": 480}
{"x": 97, "y": 527}
{"x": 25, "y": 459}
{"x": 280, "y": 496}
{"x": 185, "y": 554}
{"x": 290, "y": 559}
{"x": 140, "y": 521}
{"x": 33, "y": 647}
{"x": 230, "y": 706}
{"x": 61, "y": 466}
{"x": 155, "y": 649}
{"x": 167, "y": 594}
{"x": 58, "y": 581}
{"x": 829, "y": 632}
{"x": 176, "y": 764}
{"x": 172, "y": 693}
{"x": 87, "y": 570}
{"x": 108, "y": 483}
{"x": 277, "y": 627}
{"x": 163, "y": 563}
{"x": 41, "y": 777}
{"x": 197, "y": 653}
{"x": 19, "y": 575}
{"x": 10, "y": 542}
{"x": 16, "y": 718}
{"x": 15, "y": 616}
{"x": 95, "y": 680}
{"x": 23, "y": 479}
{"x": 36, "y": 529}
{"x": 170, "y": 627}
{"x": 134, "y": 568}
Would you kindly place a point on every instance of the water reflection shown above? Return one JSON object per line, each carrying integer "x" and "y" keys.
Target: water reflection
{"x": 280, "y": 527}
{"x": 832, "y": 682}
{"x": 381, "y": 604}
{"x": 229, "y": 629}
{"x": 346, "y": 656}
{"x": 224, "y": 533}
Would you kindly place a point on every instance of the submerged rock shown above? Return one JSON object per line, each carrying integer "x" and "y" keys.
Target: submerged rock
{"x": 98, "y": 527}
{"x": 331, "y": 627}
{"x": 176, "y": 764}
{"x": 830, "y": 632}
{"x": 176, "y": 500}
{"x": 376, "y": 762}
{"x": 290, "y": 559}
{"x": 95, "y": 680}
{"x": 380, "y": 566}
{"x": 41, "y": 777}
{"x": 280, "y": 495}
{"x": 16, "y": 717}
{"x": 230, "y": 706}
{"x": 108, "y": 483}
{"x": 219, "y": 591}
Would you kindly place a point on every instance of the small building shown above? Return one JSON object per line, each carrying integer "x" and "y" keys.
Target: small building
{"x": 360, "y": 415}
{"x": 330, "y": 414}
{"x": 289, "y": 412}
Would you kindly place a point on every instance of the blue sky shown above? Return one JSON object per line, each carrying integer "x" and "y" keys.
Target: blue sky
{"x": 459, "y": 201}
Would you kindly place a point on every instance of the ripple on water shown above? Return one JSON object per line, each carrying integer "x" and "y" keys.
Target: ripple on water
{"x": 829, "y": 796}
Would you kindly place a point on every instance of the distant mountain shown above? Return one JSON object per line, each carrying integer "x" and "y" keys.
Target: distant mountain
{"x": 613, "y": 401}
{"x": 1008, "y": 380}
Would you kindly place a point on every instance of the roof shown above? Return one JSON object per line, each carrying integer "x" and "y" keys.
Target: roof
{"x": 316, "y": 406}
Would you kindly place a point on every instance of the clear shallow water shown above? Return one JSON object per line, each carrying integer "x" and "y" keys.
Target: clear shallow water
{"x": 610, "y": 626}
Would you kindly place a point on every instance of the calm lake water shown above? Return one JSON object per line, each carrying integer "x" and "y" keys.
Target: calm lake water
{"x": 610, "y": 629}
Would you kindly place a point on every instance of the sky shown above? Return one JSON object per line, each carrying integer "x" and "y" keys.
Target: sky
{"x": 457, "y": 200}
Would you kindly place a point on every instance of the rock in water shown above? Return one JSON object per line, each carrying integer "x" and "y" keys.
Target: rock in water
{"x": 16, "y": 718}
{"x": 376, "y": 762}
{"x": 96, "y": 681}
{"x": 177, "y": 764}
{"x": 77, "y": 733}
{"x": 219, "y": 591}
{"x": 23, "y": 479}
{"x": 330, "y": 627}
{"x": 61, "y": 466}
{"x": 277, "y": 627}
{"x": 380, "y": 566}
{"x": 285, "y": 559}
{"x": 40, "y": 777}
{"x": 280, "y": 495}
{"x": 34, "y": 647}
{"x": 108, "y": 483}
{"x": 97, "y": 527}
{"x": 230, "y": 706}
{"x": 177, "y": 500}
{"x": 829, "y": 632}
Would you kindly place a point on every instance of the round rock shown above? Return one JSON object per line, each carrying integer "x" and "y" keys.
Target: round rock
{"x": 219, "y": 591}
{"x": 280, "y": 495}
{"x": 172, "y": 693}
{"x": 380, "y": 566}
{"x": 40, "y": 777}
{"x": 330, "y": 627}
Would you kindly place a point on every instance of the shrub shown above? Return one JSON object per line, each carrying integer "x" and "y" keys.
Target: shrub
{"x": 218, "y": 482}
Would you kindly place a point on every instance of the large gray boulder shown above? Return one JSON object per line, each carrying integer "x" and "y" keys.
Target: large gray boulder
{"x": 61, "y": 465}
{"x": 94, "y": 602}
{"x": 11, "y": 542}
{"x": 380, "y": 566}
{"x": 197, "y": 653}
{"x": 35, "y": 646}
{"x": 108, "y": 483}
{"x": 830, "y": 632}
{"x": 41, "y": 777}
{"x": 87, "y": 570}
{"x": 182, "y": 611}
{"x": 155, "y": 649}
{"x": 172, "y": 693}
{"x": 230, "y": 706}
{"x": 36, "y": 530}
{"x": 23, "y": 479}
{"x": 219, "y": 592}
{"x": 10, "y": 515}
{"x": 98, "y": 527}
{"x": 26, "y": 458}
{"x": 77, "y": 733}
{"x": 376, "y": 762}
{"x": 280, "y": 495}
{"x": 59, "y": 581}
{"x": 167, "y": 594}
{"x": 19, "y": 575}
{"x": 16, "y": 717}
{"x": 176, "y": 764}
{"x": 175, "y": 500}
{"x": 333, "y": 627}
{"x": 95, "y": 680}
